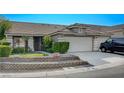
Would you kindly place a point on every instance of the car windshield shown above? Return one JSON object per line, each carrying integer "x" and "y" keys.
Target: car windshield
{"x": 119, "y": 40}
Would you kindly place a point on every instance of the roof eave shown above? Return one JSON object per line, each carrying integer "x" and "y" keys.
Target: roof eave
{"x": 22, "y": 34}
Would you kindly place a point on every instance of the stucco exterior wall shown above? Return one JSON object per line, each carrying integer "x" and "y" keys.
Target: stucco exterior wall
{"x": 97, "y": 41}
{"x": 57, "y": 38}
{"x": 10, "y": 40}
{"x": 31, "y": 43}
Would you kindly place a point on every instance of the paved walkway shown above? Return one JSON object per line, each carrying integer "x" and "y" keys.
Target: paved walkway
{"x": 99, "y": 58}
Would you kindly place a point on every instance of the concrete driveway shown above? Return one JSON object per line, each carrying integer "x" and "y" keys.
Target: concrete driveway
{"x": 99, "y": 58}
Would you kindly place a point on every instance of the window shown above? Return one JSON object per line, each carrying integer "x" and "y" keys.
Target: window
{"x": 109, "y": 40}
{"x": 119, "y": 40}
{"x": 18, "y": 42}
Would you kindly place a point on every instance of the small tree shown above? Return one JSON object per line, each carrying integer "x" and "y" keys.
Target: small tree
{"x": 47, "y": 41}
{"x": 4, "y": 26}
{"x": 26, "y": 38}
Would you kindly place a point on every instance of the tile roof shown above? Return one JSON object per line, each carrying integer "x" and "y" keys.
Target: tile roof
{"x": 88, "y": 30}
{"x": 25, "y": 28}
{"x": 37, "y": 29}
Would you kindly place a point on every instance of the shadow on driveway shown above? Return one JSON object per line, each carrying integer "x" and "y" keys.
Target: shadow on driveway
{"x": 119, "y": 53}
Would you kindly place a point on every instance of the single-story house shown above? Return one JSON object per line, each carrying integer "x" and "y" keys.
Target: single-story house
{"x": 82, "y": 37}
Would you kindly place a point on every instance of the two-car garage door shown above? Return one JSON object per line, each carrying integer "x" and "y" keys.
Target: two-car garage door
{"x": 79, "y": 43}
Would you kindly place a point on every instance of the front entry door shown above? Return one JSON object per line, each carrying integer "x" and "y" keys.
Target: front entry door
{"x": 37, "y": 44}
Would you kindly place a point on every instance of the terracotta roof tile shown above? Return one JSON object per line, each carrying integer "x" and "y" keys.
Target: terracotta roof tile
{"x": 21, "y": 28}
{"x": 36, "y": 29}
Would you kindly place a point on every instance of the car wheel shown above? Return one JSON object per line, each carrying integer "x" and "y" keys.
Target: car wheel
{"x": 103, "y": 49}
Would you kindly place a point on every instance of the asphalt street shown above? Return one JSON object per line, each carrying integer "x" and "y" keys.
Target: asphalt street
{"x": 114, "y": 72}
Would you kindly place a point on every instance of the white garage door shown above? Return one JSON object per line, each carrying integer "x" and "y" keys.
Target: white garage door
{"x": 79, "y": 43}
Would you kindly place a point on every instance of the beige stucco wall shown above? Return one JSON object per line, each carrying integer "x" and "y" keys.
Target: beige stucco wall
{"x": 10, "y": 40}
{"x": 97, "y": 41}
{"x": 56, "y": 38}
{"x": 31, "y": 43}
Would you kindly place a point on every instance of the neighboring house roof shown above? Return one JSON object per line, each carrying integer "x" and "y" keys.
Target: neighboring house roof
{"x": 85, "y": 33}
{"x": 37, "y": 29}
{"x": 88, "y": 30}
{"x": 33, "y": 29}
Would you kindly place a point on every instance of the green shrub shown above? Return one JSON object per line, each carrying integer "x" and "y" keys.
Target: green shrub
{"x": 56, "y": 47}
{"x": 64, "y": 47}
{"x": 5, "y": 43}
{"x": 61, "y": 47}
{"x": 5, "y": 51}
{"x": 47, "y": 42}
{"x": 18, "y": 50}
{"x": 49, "y": 50}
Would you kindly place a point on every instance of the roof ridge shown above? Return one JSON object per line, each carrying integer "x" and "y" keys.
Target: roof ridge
{"x": 90, "y": 24}
{"x": 118, "y": 25}
{"x": 38, "y": 23}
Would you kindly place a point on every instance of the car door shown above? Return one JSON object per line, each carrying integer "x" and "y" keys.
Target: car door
{"x": 119, "y": 44}
{"x": 109, "y": 44}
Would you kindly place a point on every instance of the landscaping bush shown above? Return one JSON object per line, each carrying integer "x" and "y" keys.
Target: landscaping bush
{"x": 47, "y": 42}
{"x": 5, "y": 51}
{"x": 61, "y": 47}
{"x": 49, "y": 50}
{"x": 18, "y": 50}
{"x": 5, "y": 43}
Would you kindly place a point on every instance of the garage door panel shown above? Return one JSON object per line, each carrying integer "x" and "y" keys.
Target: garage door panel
{"x": 79, "y": 43}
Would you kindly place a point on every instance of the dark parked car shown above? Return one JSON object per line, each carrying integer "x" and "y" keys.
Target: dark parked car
{"x": 113, "y": 44}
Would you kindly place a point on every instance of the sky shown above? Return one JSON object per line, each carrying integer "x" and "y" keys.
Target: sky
{"x": 67, "y": 19}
